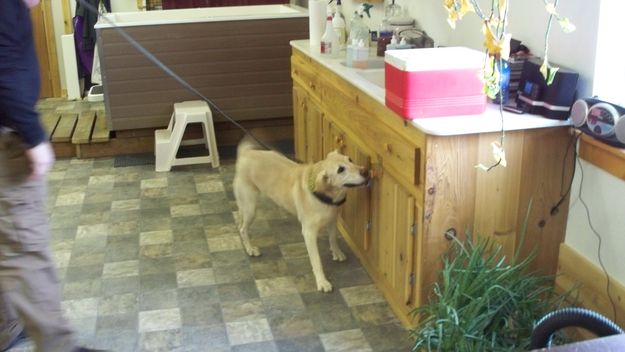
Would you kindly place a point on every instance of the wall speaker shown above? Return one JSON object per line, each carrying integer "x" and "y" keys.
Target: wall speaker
{"x": 600, "y": 119}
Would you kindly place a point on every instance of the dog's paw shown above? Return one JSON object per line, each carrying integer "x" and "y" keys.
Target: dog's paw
{"x": 324, "y": 286}
{"x": 252, "y": 251}
{"x": 338, "y": 256}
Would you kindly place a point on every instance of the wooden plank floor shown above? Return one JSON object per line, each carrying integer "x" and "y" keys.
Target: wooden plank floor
{"x": 79, "y": 129}
{"x": 72, "y": 124}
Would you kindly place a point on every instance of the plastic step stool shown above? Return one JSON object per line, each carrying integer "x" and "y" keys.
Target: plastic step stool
{"x": 167, "y": 141}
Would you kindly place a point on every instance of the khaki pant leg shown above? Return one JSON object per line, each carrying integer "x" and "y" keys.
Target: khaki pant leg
{"x": 10, "y": 324}
{"x": 29, "y": 286}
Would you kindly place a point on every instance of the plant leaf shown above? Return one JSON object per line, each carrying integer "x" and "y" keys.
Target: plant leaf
{"x": 548, "y": 71}
{"x": 566, "y": 25}
{"x": 499, "y": 154}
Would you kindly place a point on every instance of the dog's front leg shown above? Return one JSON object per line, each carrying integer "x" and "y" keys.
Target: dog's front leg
{"x": 310, "y": 238}
{"x": 337, "y": 253}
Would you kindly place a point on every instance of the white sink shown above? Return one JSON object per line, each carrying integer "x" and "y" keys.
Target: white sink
{"x": 374, "y": 76}
{"x": 372, "y": 63}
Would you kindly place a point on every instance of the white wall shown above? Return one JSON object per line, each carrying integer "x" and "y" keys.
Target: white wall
{"x": 605, "y": 196}
{"x": 528, "y": 22}
{"x": 603, "y": 193}
{"x": 123, "y": 5}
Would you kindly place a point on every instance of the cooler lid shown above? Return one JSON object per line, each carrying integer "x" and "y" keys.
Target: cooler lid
{"x": 434, "y": 59}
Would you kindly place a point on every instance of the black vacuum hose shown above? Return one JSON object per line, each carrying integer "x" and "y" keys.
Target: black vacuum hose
{"x": 569, "y": 317}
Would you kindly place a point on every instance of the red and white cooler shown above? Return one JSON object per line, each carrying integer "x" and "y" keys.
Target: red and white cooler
{"x": 434, "y": 82}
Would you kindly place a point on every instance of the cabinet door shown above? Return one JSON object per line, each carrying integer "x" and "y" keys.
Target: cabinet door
{"x": 396, "y": 214}
{"x": 307, "y": 127}
{"x": 299, "y": 122}
{"x": 355, "y": 215}
{"x": 314, "y": 132}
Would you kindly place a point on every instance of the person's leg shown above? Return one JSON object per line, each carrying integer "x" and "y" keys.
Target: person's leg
{"x": 10, "y": 325}
{"x": 28, "y": 280}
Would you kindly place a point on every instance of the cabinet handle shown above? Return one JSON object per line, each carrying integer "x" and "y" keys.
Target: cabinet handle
{"x": 339, "y": 141}
{"x": 388, "y": 147}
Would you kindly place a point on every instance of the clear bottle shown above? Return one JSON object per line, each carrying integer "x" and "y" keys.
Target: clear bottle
{"x": 338, "y": 23}
{"x": 391, "y": 9}
{"x": 329, "y": 40}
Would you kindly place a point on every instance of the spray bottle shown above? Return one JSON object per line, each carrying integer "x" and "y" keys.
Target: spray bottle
{"x": 358, "y": 30}
{"x": 338, "y": 23}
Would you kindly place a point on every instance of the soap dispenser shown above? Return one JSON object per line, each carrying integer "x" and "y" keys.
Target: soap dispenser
{"x": 393, "y": 44}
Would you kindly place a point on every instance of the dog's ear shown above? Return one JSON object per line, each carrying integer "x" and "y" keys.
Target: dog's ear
{"x": 335, "y": 151}
{"x": 322, "y": 176}
{"x": 320, "y": 182}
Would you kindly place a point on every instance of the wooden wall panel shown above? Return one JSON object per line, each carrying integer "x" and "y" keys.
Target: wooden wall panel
{"x": 603, "y": 156}
{"x": 497, "y": 191}
{"x": 450, "y": 186}
{"x": 545, "y": 177}
{"x": 243, "y": 66}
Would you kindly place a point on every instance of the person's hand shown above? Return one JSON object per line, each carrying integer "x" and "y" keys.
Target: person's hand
{"x": 41, "y": 159}
{"x": 31, "y": 3}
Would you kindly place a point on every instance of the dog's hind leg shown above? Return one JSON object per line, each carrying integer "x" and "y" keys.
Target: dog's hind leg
{"x": 246, "y": 197}
{"x": 310, "y": 238}
{"x": 337, "y": 253}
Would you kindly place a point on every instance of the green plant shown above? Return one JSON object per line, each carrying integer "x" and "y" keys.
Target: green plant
{"x": 482, "y": 302}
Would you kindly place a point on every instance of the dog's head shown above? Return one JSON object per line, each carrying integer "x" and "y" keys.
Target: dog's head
{"x": 337, "y": 171}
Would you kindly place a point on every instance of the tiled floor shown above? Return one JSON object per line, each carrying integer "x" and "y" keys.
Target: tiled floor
{"x": 153, "y": 262}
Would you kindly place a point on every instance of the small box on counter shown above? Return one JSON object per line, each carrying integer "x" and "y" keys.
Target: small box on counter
{"x": 434, "y": 82}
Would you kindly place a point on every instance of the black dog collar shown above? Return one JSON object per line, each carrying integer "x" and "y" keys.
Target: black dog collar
{"x": 327, "y": 200}
{"x": 322, "y": 197}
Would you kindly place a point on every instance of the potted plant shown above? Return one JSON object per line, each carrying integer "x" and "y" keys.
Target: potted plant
{"x": 483, "y": 302}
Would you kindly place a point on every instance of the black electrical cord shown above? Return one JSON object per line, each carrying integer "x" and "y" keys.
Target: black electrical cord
{"x": 555, "y": 209}
{"x": 572, "y": 142}
{"x": 599, "y": 239}
{"x": 167, "y": 70}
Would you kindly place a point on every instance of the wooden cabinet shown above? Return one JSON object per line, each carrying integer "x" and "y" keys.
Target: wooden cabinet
{"x": 355, "y": 218}
{"x": 426, "y": 186}
{"x": 397, "y": 234}
{"x": 307, "y": 120}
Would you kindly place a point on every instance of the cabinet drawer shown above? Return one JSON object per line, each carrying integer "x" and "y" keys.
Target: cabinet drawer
{"x": 304, "y": 72}
{"x": 404, "y": 159}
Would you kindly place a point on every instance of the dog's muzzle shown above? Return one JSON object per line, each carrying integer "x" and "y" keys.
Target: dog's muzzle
{"x": 366, "y": 182}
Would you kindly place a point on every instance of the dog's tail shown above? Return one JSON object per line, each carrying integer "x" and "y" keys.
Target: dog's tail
{"x": 247, "y": 143}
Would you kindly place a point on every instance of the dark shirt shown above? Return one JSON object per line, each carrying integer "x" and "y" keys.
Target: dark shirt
{"x": 19, "y": 73}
